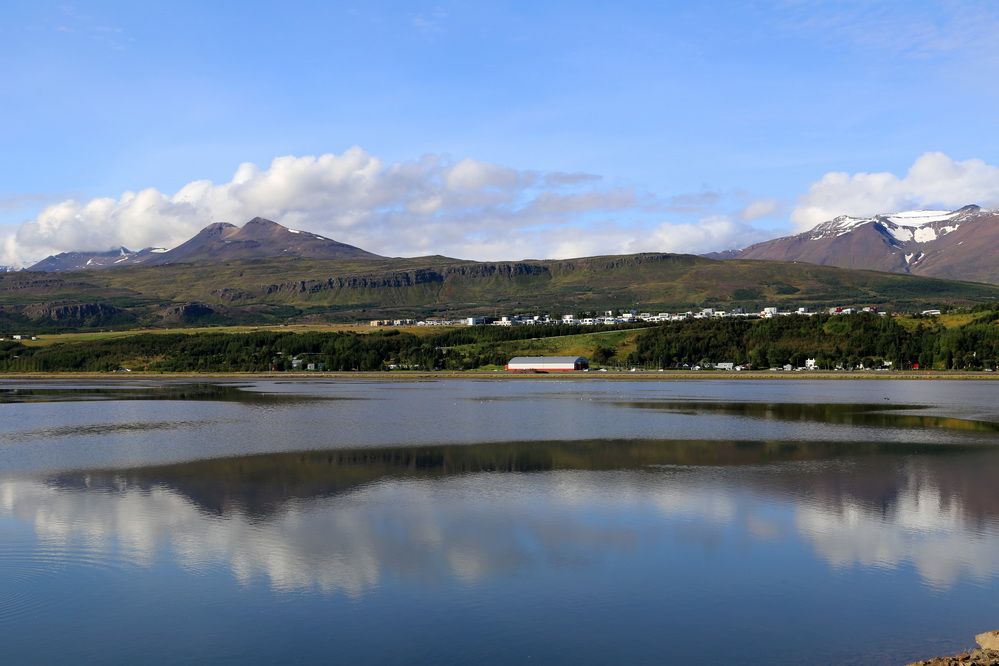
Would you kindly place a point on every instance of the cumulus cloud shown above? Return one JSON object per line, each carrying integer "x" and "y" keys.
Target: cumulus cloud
{"x": 431, "y": 205}
{"x": 933, "y": 181}
{"x": 754, "y": 210}
{"x": 716, "y": 232}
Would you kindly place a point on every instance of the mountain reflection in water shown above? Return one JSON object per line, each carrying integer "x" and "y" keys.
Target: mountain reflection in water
{"x": 344, "y": 520}
{"x": 877, "y": 415}
{"x": 557, "y": 521}
{"x": 178, "y": 391}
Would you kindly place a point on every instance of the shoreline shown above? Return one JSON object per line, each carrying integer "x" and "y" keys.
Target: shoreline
{"x": 403, "y": 376}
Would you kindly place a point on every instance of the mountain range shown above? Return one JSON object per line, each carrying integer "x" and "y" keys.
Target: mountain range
{"x": 218, "y": 242}
{"x": 959, "y": 245}
{"x": 266, "y": 273}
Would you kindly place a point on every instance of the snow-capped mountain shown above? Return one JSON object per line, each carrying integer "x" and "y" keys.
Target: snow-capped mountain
{"x": 75, "y": 261}
{"x": 962, "y": 244}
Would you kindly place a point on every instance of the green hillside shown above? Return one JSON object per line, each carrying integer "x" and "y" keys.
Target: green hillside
{"x": 277, "y": 290}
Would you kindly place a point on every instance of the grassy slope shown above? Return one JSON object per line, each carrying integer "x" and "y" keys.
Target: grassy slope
{"x": 275, "y": 290}
{"x": 585, "y": 344}
{"x": 623, "y": 342}
{"x": 48, "y": 339}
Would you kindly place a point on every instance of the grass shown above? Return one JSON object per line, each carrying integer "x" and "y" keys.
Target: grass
{"x": 954, "y": 320}
{"x": 271, "y": 291}
{"x": 583, "y": 344}
{"x": 44, "y": 340}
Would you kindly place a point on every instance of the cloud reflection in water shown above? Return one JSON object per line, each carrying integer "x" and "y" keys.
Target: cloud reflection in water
{"x": 474, "y": 526}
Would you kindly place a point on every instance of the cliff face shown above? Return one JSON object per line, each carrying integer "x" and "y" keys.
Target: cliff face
{"x": 285, "y": 288}
{"x": 424, "y": 279}
{"x": 187, "y": 313}
{"x": 76, "y": 314}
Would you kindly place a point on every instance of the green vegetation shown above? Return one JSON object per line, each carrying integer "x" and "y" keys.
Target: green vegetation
{"x": 262, "y": 351}
{"x": 310, "y": 291}
{"x": 90, "y": 336}
{"x": 834, "y": 341}
{"x": 965, "y": 341}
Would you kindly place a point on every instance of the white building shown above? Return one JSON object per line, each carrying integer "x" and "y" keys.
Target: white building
{"x": 547, "y": 364}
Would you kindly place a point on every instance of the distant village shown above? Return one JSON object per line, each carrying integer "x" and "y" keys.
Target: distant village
{"x": 615, "y": 317}
{"x": 311, "y": 362}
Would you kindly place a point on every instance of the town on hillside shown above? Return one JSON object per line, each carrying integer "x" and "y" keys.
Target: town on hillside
{"x": 616, "y": 317}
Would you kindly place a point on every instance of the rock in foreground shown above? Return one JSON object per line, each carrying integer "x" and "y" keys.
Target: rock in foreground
{"x": 986, "y": 655}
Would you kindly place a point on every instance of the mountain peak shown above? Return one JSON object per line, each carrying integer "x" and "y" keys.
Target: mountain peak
{"x": 263, "y": 221}
{"x": 909, "y": 219}
{"x": 259, "y": 238}
{"x": 955, "y": 244}
{"x": 217, "y": 229}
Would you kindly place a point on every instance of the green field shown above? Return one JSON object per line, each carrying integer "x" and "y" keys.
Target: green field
{"x": 312, "y": 292}
{"x": 621, "y": 342}
{"x": 48, "y": 339}
{"x": 963, "y": 341}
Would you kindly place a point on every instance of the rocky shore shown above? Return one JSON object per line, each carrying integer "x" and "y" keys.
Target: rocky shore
{"x": 987, "y": 654}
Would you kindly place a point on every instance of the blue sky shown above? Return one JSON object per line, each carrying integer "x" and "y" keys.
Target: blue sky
{"x": 709, "y": 125}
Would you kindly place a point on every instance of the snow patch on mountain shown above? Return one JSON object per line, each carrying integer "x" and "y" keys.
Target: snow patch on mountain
{"x": 920, "y": 226}
{"x": 902, "y": 234}
{"x": 918, "y": 218}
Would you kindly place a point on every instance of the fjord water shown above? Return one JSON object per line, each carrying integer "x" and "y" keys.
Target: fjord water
{"x": 497, "y": 521}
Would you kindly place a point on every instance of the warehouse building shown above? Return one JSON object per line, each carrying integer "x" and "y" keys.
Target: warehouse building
{"x": 547, "y": 364}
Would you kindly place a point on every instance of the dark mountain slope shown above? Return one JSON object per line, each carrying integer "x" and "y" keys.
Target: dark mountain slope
{"x": 220, "y": 241}
{"x": 257, "y": 239}
{"x": 276, "y": 289}
{"x": 961, "y": 244}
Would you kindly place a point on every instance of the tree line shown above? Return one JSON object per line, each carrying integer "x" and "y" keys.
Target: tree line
{"x": 833, "y": 341}
{"x": 846, "y": 341}
{"x": 264, "y": 351}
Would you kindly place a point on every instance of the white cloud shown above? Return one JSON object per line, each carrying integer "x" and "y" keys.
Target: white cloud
{"x": 432, "y": 205}
{"x": 475, "y": 175}
{"x": 754, "y": 210}
{"x": 713, "y": 233}
{"x": 933, "y": 181}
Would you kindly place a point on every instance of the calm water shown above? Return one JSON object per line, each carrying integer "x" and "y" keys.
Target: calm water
{"x": 497, "y": 521}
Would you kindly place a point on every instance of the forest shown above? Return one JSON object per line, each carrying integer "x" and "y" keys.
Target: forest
{"x": 849, "y": 341}
{"x": 269, "y": 351}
